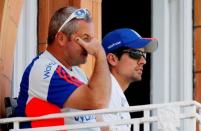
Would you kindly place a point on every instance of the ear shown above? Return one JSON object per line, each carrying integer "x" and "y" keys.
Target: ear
{"x": 112, "y": 59}
{"x": 60, "y": 38}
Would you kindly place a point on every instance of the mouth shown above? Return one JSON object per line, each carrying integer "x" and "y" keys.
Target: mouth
{"x": 140, "y": 70}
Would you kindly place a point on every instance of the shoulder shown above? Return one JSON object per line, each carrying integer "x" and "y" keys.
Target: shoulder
{"x": 42, "y": 66}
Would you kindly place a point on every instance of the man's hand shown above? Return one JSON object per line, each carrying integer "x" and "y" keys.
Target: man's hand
{"x": 93, "y": 47}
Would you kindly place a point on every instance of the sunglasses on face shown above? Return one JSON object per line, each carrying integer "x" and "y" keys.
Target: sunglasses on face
{"x": 135, "y": 54}
{"x": 78, "y": 14}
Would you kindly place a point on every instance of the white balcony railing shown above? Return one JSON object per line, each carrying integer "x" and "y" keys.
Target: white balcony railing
{"x": 175, "y": 116}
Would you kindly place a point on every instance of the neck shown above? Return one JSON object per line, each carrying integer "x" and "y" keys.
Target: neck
{"x": 122, "y": 81}
{"x": 57, "y": 54}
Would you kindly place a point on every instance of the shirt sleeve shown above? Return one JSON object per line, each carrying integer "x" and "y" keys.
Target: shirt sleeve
{"x": 61, "y": 86}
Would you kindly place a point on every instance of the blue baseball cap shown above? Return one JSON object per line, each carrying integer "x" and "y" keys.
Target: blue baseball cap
{"x": 126, "y": 37}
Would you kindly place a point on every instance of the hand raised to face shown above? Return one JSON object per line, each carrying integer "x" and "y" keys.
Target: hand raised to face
{"x": 92, "y": 47}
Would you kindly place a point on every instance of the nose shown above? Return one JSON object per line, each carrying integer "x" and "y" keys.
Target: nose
{"x": 142, "y": 61}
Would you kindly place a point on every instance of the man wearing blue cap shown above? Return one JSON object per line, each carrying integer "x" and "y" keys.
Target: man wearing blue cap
{"x": 126, "y": 55}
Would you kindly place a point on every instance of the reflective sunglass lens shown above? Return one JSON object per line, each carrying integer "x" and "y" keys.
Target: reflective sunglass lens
{"x": 80, "y": 13}
{"x": 136, "y": 54}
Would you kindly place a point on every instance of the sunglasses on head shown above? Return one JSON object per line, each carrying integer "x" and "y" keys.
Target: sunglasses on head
{"x": 78, "y": 14}
{"x": 135, "y": 54}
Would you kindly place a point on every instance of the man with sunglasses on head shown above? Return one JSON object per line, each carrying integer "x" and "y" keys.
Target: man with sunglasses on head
{"x": 126, "y": 55}
{"x": 53, "y": 81}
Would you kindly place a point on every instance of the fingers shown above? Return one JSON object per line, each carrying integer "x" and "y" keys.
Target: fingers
{"x": 81, "y": 42}
{"x": 86, "y": 45}
{"x": 92, "y": 47}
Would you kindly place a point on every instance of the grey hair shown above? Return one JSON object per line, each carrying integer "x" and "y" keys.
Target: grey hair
{"x": 59, "y": 18}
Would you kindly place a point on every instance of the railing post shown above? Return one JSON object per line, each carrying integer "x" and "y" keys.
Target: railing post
{"x": 136, "y": 125}
{"x": 194, "y": 119}
{"x": 190, "y": 124}
{"x": 199, "y": 122}
{"x": 147, "y": 124}
{"x": 16, "y": 125}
